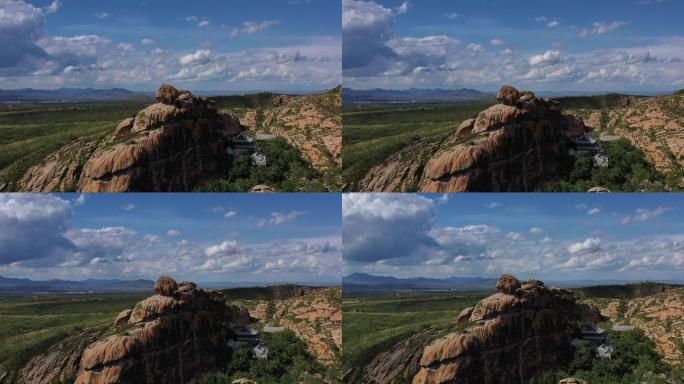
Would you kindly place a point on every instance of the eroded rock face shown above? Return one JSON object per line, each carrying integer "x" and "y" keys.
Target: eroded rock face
{"x": 60, "y": 362}
{"x": 174, "y": 336}
{"x": 177, "y": 144}
{"x": 512, "y": 336}
{"x": 516, "y": 145}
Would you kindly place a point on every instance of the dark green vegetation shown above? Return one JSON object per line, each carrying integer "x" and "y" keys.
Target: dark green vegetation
{"x": 240, "y": 104}
{"x": 628, "y": 170}
{"x": 373, "y": 132}
{"x": 30, "y": 132}
{"x": 606, "y": 101}
{"x": 274, "y": 292}
{"x": 288, "y": 362}
{"x": 372, "y": 325}
{"x": 30, "y": 324}
{"x": 285, "y": 171}
{"x": 634, "y": 360}
{"x": 626, "y": 291}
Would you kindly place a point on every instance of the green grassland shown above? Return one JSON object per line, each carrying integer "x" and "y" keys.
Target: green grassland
{"x": 30, "y": 132}
{"x": 373, "y": 324}
{"x": 30, "y": 324}
{"x": 373, "y": 132}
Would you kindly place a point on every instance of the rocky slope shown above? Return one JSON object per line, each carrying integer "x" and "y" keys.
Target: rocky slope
{"x": 660, "y": 316}
{"x": 61, "y": 361}
{"x": 312, "y": 124}
{"x": 179, "y": 333}
{"x": 654, "y": 124}
{"x": 315, "y": 316}
{"x": 510, "y": 337}
{"x": 176, "y": 144}
{"x": 516, "y": 145}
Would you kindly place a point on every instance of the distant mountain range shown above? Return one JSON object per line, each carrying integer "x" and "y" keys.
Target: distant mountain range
{"x": 413, "y": 95}
{"x": 363, "y": 282}
{"x": 29, "y": 95}
{"x": 26, "y": 286}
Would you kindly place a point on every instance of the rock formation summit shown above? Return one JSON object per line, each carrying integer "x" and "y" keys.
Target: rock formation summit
{"x": 174, "y": 336}
{"x": 516, "y": 145}
{"x": 522, "y": 331}
{"x": 176, "y": 144}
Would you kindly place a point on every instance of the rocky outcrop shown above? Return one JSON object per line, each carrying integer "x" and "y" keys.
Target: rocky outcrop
{"x": 512, "y": 336}
{"x": 658, "y": 315}
{"x": 61, "y": 361}
{"x": 312, "y": 124}
{"x": 314, "y": 315}
{"x": 400, "y": 362}
{"x": 654, "y": 125}
{"x": 174, "y": 336}
{"x": 401, "y": 172}
{"x": 516, "y": 145}
{"x": 177, "y": 144}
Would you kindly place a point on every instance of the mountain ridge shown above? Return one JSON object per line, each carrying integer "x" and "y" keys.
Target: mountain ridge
{"x": 23, "y": 285}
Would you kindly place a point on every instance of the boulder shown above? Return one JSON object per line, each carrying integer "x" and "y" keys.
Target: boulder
{"x": 526, "y": 97}
{"x": 122, "y": 318}
{"x": 464, "y": 316}
{"x": 166, "y": 94}
{"x": 262, "y": 188}
{"x": 124, "y": 127}
{"x": 165, "y": 286}
{"x": 572, "y": 380}
{"x": 465, "y": 128}
{"x": 598, "y": 190}
{"x": 187, "y": 286}
{"x": 507, "y": 284}
{"x": 243, "y": 381}
{"x": 507, "y": 95}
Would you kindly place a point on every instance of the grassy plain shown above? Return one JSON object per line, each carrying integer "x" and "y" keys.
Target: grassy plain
{"x": 30, "y": 324}
{"x": 372, "y": 324}
{"x": 30, "y": 132}
{"x": 373, "y": 132}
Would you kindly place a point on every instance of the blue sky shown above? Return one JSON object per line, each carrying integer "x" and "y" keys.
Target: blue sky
{"x": 545, "y": 236}
{"x": 204, "y": 44}
{"x": 201, "y": 237}
{"x": 615, "y": 45}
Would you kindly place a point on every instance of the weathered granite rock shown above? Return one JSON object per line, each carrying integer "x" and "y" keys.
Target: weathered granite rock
{"x": 174, "y": 336}
{"x": 514, "y": 335}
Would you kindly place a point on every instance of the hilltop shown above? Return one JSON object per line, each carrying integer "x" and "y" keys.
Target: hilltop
{"x": 652, "y": 124}
{"x": 311, "y": 123}
{"x": 657, "y": 312}
{"x": 314, "y": 315}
